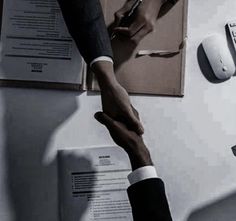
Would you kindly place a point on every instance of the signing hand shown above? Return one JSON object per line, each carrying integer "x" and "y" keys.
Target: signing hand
{"x": 129, "y": 140}
{"x": 144, "y": 20}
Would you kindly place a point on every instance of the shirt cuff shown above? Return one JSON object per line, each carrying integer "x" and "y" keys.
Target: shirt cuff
{"x": 101, "y": 58}
{"x": 142, "y": 173}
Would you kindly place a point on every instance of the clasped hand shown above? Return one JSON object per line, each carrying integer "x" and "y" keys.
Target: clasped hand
{"x": 115, "y": 100}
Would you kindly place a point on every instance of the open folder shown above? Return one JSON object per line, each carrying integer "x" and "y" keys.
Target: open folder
{"x": 43, "y": 55}
{"x": 157, "y": 65}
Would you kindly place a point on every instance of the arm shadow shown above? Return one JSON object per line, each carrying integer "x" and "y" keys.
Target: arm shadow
{"x": 75, "y": 208}
{"x": 31, "y": 119}
{"x": 220, "y": 210}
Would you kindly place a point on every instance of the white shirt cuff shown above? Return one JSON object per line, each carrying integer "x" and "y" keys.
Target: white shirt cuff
{"x": 142, "y": 173}
{"x": 101, "y": 58}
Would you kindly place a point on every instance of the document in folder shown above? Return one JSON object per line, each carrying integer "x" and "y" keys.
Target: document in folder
{"x": 157, "y": 74}
{"x": 36, "y": 47}
{"x": 44, "y": 54}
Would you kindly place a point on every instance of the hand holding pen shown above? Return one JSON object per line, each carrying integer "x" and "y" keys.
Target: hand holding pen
{"x": 136, "y": 19}
{"x": 125, "y": 19}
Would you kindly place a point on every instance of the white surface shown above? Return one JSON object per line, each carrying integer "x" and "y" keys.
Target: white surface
{"x": 190, "y": 138}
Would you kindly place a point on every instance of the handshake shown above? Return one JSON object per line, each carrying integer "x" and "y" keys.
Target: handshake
{"x": 128, "y": 139}
{"x": 120, "y": 117}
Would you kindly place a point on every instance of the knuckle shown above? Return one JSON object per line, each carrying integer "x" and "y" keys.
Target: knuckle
{"x": 134, "y": 41}
{"x": 151, "y": 29}
{"x": 118, "y": 14}
{"x": 123, "y": 110}
{"x": 151, "y": 26}
{"x": 129, "y": 33}
{"x": 142, "y": 17}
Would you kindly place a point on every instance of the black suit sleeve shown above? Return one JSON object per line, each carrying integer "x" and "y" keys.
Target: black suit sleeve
{"x": 148, "y": 201}
{"x": 85, "y": 22}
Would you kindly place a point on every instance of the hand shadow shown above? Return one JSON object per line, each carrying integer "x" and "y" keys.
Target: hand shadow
{"x": 123, "y": 48}
{"x": 31, "y": 118}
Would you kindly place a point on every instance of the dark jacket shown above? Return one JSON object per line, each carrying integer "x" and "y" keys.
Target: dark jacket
{"x": 85, "y": 22}
{"x": 148, "y": 201}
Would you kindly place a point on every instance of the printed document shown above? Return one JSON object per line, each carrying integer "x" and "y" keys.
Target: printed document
{"x": 36, "y": 44}
{"x": 93, "y": 184}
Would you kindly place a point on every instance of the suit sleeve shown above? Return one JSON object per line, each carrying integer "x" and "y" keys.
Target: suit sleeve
{"x": 148, "y": 201}
{"x": 85, "y": 22}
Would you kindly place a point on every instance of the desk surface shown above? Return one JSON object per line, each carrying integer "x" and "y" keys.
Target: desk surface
{"x": 190, "y": 138}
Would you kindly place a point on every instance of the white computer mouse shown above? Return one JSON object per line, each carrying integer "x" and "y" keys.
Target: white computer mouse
{"x": 219, "y": 56}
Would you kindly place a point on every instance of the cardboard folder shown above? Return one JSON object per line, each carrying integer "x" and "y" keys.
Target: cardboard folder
{"x": 157, "y": 74}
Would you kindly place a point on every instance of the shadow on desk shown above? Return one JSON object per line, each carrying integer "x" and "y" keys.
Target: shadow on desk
{"x": 220, "y": 210}
{"x": 31, "y": 118}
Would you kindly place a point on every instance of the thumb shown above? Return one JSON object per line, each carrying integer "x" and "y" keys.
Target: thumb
{"x": 104, "y": 119}
{"x": 121, "y": 13}
{"x": 118, "y": 17}
{"x": 135, "y": 123}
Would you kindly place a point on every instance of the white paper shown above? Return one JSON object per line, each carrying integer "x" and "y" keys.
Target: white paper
{"x": 93, "y": 184}
{"x": 36, "y": 44}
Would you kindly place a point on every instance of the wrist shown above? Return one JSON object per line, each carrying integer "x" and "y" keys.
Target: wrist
{"x": 105, "y": 75}
{"x": 140, "y": 157}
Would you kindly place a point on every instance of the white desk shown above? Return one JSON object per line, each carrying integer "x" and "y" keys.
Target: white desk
{"x": 190, "y": 138}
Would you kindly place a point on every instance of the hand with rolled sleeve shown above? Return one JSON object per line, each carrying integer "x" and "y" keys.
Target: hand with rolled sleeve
{"x": 85, "y": 22}
{"x": 147, "y": 192}
{"x": 144, "y": 19}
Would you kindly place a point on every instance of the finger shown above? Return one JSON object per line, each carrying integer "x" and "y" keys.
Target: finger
{"x": 122, "y": 30}
{"x": 142, "y": 33}
{"x": 134, "y": 123}
{"x": 135, "y": 112}
{"x": 104, "y": 119}
{"x": 129, "y": 31}
{"x": 111, "y": 124}
{"x": 118, "y": 16}
{"x": 120, "y": 13}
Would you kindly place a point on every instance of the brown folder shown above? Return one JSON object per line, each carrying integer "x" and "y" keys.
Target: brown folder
{"x": 157, "y": 74}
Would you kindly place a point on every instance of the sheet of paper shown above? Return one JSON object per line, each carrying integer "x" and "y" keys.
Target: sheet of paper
{"x": 93, "y": 184}
{"x": 36, "y": 44}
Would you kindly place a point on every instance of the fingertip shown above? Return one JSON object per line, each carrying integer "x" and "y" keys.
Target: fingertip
{"x": 140, "y": 130}
{"x": 137, "y": 127}
{"x": 98, "y": 116}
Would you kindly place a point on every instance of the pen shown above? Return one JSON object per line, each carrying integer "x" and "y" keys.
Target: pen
{"x": 127, "y": 16}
